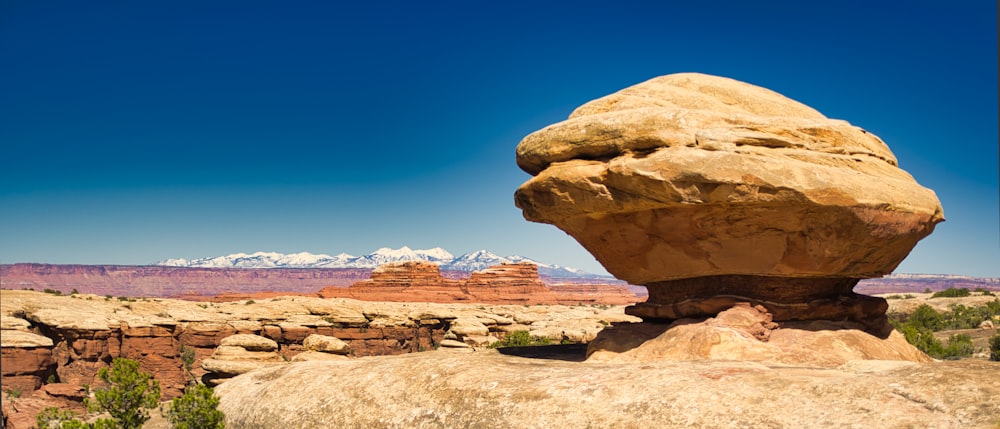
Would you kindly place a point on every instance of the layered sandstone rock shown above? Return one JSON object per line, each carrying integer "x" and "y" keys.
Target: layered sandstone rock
{"x": 25, "y": 360}
{"x": 745, "y": 333}
{"x": 420, "y": 281}
{"x": 240, "y": 354}
{"x": 73, "y": 337}
{"x": 711, "y": 191}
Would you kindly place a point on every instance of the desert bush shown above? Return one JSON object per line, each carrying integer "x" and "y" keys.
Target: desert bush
{"x": 197, "y": 409}
{"x": 521, "y": 339}
{"x": 52, "y": 291}
{"x": 14, "y": 393}
{"x": 995, "y": 348}
{"x": 130, "y": 394}
{"x": 951, "y": 293}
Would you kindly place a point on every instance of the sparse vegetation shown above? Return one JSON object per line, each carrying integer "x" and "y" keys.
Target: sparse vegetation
{"x": 127, "y": 399}
{"x": 14, "y": 393}
{"x": 187, "y": 358}
{"x": 52, "y": 291}
{"x": 53, "y": 417}
{"x": 951, "y": 293}
{"x": 197, "y": 409}
{"x": 249, "y": 301}
{"x": 520, "y": 339}
{"x": 919, "y": 328}
{"x": 995, "y": 348}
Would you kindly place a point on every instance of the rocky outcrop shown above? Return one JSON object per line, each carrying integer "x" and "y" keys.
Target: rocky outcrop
{"x": 711, "y": 191}
{"x": 445, "y": 389}
{"x": 70, "y": 338}
{"x": 745, "y": 333}
{"x": 519, "y": 283}
{"x": 25, "y": 360}
{"x": 239, "y": 354}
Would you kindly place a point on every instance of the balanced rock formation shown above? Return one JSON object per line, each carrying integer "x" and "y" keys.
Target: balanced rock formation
{"x": 711, "y": 191}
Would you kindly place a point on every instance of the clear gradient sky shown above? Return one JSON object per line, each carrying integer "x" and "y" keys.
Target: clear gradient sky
{"x": 136, "y": 131}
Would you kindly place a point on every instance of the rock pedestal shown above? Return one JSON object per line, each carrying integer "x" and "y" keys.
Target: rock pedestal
{"x": 711, "y": 191}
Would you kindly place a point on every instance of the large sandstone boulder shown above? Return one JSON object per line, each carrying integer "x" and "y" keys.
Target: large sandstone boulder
{"x": 707, "y": 189}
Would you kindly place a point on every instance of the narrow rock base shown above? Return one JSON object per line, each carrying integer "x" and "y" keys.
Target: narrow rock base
{"x": 786, "y": 299}
{"x": 746, "y": 332}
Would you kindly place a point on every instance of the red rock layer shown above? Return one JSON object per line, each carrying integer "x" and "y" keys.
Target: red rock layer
{"x": 157, "y": 281}
{"x": 501, "y": 284}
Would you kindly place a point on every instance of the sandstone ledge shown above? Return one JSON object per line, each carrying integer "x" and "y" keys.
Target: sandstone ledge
{"x": 487, "y": 389}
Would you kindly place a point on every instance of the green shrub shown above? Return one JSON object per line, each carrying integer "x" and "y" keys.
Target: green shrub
{"x": 959, "y": 346}
{"x": 520, "y": 339}
{"x": 14, "y": 393}
{"x": 995, "y": 348}
{"x": 951, "y": 293}
{"x": 197, "y": 409}
{"x": 130, "y": 394}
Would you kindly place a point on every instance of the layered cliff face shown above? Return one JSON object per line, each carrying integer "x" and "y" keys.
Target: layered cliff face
{"x": 67, "y": 339}
{"x": 501, "y": 284}
{"x": 162, "y": 282}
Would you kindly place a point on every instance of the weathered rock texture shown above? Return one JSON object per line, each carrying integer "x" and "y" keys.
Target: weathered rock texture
{"x": 485, "y": 389}
{"x": 711, "y": 191}
{"x": 745, "y": 333}
{"x": 241, "y": 353}
{"x": 72, "y": 337}
{"x": 420, "y": 281}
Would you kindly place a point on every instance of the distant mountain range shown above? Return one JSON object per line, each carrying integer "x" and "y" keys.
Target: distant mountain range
{"x": 472, "y": 261}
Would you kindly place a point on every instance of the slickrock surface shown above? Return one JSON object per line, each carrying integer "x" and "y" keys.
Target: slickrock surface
{"x": 420, "y": 281}
{"x": 72, "y": 337}
{"x": 485, "y": 389}
{"x": 704, "y": 188}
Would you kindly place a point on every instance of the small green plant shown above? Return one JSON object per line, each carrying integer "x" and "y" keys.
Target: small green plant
{"x": 74, "y": 292}
{"x": 14, "y": 393}
{"x": 53, "y": 417}
{"x": 520, "y": 339}
{"x": 203, "y": 305}
{"x": 197, "y": 409}
{"x": 995, "y": 348}
{"x": 51, "y": 379}
{"x": 894, "y": 297}
{"x": 52, "y": 291}
{"x": 249, "y": 301}
{"x": 951, "y": 293}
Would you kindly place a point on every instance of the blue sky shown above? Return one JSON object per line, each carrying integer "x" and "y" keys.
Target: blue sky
{"x": 133, "y": 132}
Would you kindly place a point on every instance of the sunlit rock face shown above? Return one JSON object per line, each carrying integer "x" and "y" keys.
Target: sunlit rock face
{"x": 712, "y": 191}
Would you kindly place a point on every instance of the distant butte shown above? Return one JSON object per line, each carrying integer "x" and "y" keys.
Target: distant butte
{"x": 418, "y": 281}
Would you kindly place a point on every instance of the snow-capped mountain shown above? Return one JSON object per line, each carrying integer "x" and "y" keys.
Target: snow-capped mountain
{"x": 472, "y": 261}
